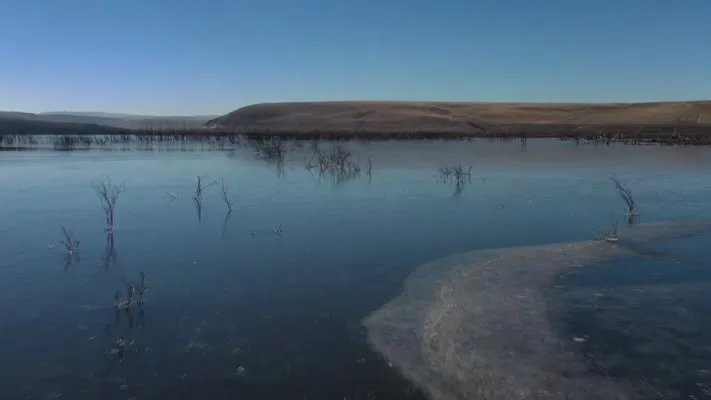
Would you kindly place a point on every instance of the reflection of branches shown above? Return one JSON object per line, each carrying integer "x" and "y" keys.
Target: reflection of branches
{"x": 71, "y": 244}
{"x": 632, "y": 219}
{"x": 110, "y": 255}
{"x": 228, "y": 215}
{"x": 70, "y": 259}
{"x": 458, "y": 188}
{"x": 132, "y": 322}
{"x": 198, "y": 208}
{"x": 280, "y": 169}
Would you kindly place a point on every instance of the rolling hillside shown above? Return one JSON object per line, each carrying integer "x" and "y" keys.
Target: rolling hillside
{"x": 371, "y": 117}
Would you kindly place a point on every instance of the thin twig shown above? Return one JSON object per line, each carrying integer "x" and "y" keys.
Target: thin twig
{"x": 200, "y": 188}
{"x": 225, "y": 197}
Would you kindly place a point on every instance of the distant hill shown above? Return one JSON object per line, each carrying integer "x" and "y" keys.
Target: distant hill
{"x": 464, "y": 118}
{"x": 99, "y": 114}
{"x": 125, "y": 121}
{"x": 14, "y": 114}
{"x": 28, "y": 126}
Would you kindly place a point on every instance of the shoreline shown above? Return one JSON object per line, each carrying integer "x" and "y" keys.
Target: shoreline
{"x": 665, "y": 134}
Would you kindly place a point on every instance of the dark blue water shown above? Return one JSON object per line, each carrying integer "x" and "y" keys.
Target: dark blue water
{"x": 234, "y": 309}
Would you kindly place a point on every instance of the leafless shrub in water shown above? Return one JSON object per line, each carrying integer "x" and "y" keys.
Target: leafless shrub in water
{"x": 625, "y": 194}
{"x": 123, "y": 301}
{"x": 338, "y": 162}
{"x": 457, "y": 174}
{"x": 118, "y": 345}
{"x": 137, "y": 288}
{"x": 108, "y": 194}
{"x": 273, "y": 148}
{"x": 134, "y": 292}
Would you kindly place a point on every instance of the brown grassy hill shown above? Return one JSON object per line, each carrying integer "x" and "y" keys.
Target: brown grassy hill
{"x": 381, "y": 117}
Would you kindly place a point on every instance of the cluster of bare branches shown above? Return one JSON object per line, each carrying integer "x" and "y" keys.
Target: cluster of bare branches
{"x": 610, "y": 234}
{"x": 133, "y": 296}
{"x": 197, "y": 195}
{"x": 200, "y": 188}
{"x": 119, "y": 345}
{"x": 272, "y": 148}
{"x": 457, "y": 174}
{"x": 108, "y": 194}
{"x": 126, "y": 303}
{"x": 338, "y": 162}
{"x": 625, "y": 194}
{"x": 228, "y": 202}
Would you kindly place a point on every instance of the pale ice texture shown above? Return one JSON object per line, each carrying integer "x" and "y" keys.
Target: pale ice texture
{"x": 475, "y": 325}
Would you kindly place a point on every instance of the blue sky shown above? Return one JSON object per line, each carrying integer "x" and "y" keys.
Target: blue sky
{"x": 212, "y": 56}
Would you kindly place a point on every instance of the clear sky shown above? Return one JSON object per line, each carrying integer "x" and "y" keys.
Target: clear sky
{"x": 212, "y": 56}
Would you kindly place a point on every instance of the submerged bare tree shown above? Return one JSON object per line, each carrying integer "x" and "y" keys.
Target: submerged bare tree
{"x": 273, "y": 148}
{"x": 108, "y": 193}
{"x": 339, "y": 163}
{"x": 625, "y": 194}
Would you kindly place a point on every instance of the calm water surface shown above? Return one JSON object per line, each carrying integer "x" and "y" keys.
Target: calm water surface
{"x": 235, "y": 310}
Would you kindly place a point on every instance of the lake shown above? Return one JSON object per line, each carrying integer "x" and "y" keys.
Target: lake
{"x": 267, "y": 302}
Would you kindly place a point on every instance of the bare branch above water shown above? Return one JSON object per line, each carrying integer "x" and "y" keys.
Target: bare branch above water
{"x": 625, "y": 194}
{"x": 108, "y": 193}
